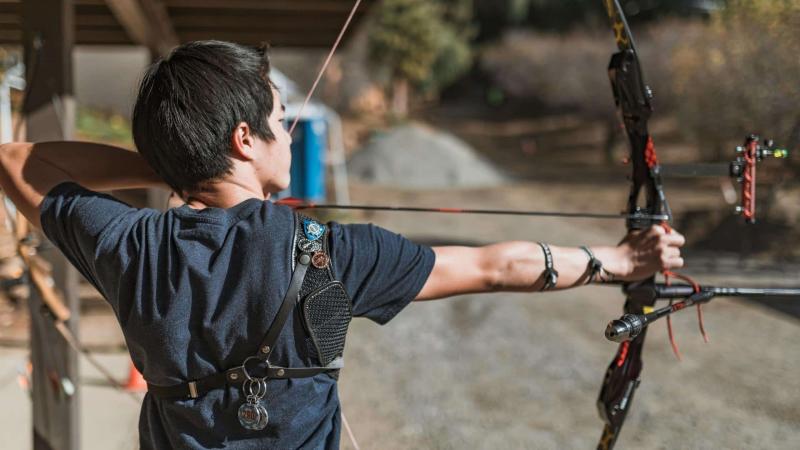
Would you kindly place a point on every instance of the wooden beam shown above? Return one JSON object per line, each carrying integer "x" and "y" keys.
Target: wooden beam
{"x": 314, "y": 22}
{"x": 342, "y": 6}
{"x": 146, "y": 22}
{"x": 259, "y": 20}
{"x": 10, "y": 36}
{"x": 157, "y": 11}
{"x": 299, "y": 38}
{"x": 49, "y": 110}
{"x": 118, "y": 37}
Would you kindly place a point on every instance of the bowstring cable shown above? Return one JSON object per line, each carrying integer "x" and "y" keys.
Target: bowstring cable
{"x": 349, "y": 432}
{"x": 325, "y": 65}
{"x": 310, "y": 94}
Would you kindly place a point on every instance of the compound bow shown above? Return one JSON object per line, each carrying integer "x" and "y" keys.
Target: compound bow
{"x": 633, "y": 101}
{"x": 632, "y": 97}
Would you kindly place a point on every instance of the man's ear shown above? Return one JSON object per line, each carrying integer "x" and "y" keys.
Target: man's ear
{"x": 243, "y": 142}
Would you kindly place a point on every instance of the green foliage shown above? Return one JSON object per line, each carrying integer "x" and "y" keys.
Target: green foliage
{"x": 425, "y": 42}
{"x": 109, "y": 128}
{"x": 496, "y": 16}
{"x": 454, "y": 58}
{"x": 403, "y": 39}
{"x": 741, "y": 75}
{"x": 518, "y": 10}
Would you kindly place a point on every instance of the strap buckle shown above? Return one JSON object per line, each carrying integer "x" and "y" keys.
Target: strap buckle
{"x": 259, "y": 360}
{"x": 550, "y": 273}
{"x": 192, "y": 389}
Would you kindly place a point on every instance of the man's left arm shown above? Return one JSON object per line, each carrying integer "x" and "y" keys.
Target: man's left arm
{"x": 29, "y": 171}
{"x": 521, "y": 266}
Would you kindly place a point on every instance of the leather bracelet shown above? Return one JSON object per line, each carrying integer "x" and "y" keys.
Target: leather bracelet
{"x": 595, "y": 265}
{"x": 550, "y": 273}
{"x": 606, "y": 276}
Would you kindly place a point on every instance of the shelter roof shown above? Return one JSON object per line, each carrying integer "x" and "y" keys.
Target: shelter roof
{"x": 282, "y": 23}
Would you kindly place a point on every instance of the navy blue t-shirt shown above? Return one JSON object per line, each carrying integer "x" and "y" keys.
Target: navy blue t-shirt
{"x": 196, "y": 290}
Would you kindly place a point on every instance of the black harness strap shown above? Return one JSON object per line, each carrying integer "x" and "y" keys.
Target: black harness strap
{"x": 289, "y": 301}
{"x": 237, "y": 375}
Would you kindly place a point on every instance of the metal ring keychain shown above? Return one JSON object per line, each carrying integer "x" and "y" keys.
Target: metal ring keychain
{"x": 252, "y": 415}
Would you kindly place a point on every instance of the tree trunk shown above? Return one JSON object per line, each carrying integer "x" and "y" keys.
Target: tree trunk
{"x": 400, "y": 98}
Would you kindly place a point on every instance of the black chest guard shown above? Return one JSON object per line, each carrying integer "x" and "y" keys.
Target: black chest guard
{"x": 325, "y": 308}
{"x": 322, "y": 306}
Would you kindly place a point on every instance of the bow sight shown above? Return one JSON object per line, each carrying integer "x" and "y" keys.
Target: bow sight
{"x": 743, "y": 169}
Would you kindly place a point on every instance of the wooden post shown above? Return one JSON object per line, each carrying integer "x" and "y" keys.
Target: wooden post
{"x": 48, "y": 37}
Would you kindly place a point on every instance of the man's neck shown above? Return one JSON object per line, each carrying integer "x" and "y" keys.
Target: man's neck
{"x": 223, "y": 194}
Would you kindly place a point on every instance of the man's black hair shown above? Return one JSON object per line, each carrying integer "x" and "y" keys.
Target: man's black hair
{"x": 190, "y": 103}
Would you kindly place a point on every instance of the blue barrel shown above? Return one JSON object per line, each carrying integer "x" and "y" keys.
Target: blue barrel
{"x": 309, "y": 144}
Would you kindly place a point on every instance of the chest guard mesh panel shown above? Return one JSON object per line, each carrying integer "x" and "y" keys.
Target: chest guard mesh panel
{"x": 327, "y": 313}
{"x": 325, "y": 307}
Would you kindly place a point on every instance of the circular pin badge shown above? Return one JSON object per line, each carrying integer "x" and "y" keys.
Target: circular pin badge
{"x": 250, "y": 416}
{"x": 313, "y": 230}
{"x": 308, "y": 246}
{"x": 320, "y": 260}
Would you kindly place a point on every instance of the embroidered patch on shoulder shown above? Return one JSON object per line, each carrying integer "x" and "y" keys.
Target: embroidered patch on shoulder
{"x": 313, "y": 230}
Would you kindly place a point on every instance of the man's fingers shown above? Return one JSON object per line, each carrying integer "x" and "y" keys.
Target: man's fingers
{"x": 671, "y": 254}
{"x": 674, "y": 263}
{"x": 676, "y": 239}
{"x": 657, "y": 230}
{"x": 673, "y": 239}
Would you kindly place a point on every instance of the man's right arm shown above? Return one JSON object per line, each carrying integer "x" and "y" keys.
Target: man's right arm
{"x": 29, "y": 171}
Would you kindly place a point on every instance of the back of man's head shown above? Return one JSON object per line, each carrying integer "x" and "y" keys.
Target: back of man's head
{"x": 189, "y": 104}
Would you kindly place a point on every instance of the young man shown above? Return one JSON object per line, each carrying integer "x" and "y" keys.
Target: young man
{"x": 197, "y": 288}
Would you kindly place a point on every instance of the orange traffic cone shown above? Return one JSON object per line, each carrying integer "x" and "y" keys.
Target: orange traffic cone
{"x": 136, "y": 381}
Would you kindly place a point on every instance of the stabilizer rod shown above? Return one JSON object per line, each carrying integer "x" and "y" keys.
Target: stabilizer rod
{"x": 629, "y": 326}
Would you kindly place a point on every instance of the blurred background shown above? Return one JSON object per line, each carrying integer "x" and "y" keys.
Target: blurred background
{"x": 465, "y": 103}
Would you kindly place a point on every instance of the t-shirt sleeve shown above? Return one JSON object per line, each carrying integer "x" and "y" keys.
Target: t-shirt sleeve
{"x": 89, "y": 228}
{"x": 382, "y": 271}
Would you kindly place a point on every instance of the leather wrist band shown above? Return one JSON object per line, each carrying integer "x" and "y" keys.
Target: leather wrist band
{"x": 606, "y": 276}
{"x": 595, "y": 266}
{"x": 550, "y": 273}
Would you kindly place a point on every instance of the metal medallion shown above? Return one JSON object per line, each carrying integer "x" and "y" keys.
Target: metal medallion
{"x": 250, "y": 416}
{"x": 253, "y": 415}
{"x": 320, "y": 260}
{"x": 308, "y": 246}
{"x": 313, "y": 230}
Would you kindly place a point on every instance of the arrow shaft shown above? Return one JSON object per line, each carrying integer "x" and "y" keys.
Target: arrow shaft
{"x": 501, "y": 212}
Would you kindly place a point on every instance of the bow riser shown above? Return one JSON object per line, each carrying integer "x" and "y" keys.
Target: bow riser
{"x": 633, "y": 102}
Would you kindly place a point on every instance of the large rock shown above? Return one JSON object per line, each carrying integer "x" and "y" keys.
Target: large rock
{"x": 417, "y": 157}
